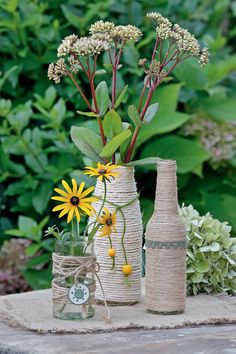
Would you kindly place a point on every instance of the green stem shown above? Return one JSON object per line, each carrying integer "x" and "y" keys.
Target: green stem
{"x": 100, "y": 210}
{"x": 113, "y": 258}
{"x": 123, "y": 236}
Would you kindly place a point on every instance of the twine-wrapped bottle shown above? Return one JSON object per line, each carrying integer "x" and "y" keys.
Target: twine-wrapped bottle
{"x": 165, "y": 247}
{"x": 120, "y": 191}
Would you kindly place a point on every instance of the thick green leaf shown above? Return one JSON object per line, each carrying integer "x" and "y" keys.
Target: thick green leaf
{"x": 150, "y": 113}
{"x": 134, "y": 115}
{"x": 72, "y": 15}
{"x": 222, "y": 206}
{"x": 131, "y": 55}
{"x": 188, "y": 153}
{"x": 20, "y": 116}
{"x": 121, "y": 96}
{"x": 26, "y": 224}
{"x": 32, "y": 249}
{"x": 167, "y": 119}
{"x": 191, "y": 74}
{"x": 42, "y": 197}
{"x": 218, "y": 107}
{"x": 88, "y": 114}
{"x": 111, "y": 147}
{"x": 112, "y": 124}
{"x": 15, "y": 232}
{"x": 87, "y": 141}
{"x": 217, "y": 71}
{"x": 146, "y": 161}
{"x": 102, "y": 96}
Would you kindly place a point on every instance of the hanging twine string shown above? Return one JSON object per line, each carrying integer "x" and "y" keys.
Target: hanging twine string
{"x": 77, "y": 267}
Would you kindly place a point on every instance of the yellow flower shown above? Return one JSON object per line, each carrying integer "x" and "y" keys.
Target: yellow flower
{"x": 108, "y": 220}
{"x": 75, "y": 200}
{"x": 102, "y": 171}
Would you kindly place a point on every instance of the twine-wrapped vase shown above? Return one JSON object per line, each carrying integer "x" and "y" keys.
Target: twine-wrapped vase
{"x": 73, "y": 283}
{"x": 120, "y": 191}
{"x": 165, "y": 247}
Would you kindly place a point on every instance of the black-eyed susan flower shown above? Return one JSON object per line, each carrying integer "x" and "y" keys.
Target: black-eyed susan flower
{"x": 108, "y": 220}
{"x": 102, "y": 171}
{"x": 75, "y": 200}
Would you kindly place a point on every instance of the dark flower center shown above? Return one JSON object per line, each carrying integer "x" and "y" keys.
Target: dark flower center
{"x": 74, "y": 200}
{"x": 109, "y": 222}
{"x": 102, "y": 171}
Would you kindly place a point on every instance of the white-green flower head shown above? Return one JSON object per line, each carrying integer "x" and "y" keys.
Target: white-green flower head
{"x": 66, "y": 46}
{"x": 204, "y": 57}
{"x": 125, "y": 33}
{"x": 85, "y": 46}
{"x": 108, "y": 31}
{"x": 101, "y": 27}
{"x": 57, "y": 70}
{"x": 184, "y": 41}
{"x": 159, "y": 19}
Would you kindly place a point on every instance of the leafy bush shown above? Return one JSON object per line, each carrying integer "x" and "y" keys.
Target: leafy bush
{"x": 35, "y": 118}
{"x": 211, "y": 254}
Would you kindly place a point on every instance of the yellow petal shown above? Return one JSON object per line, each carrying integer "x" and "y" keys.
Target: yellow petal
{"x": 106, "y": 211}
{"x": 86, "y": 192}
{"x": 87, "y": 211}
{"x": 105, "y": 231}
{"x": 66, "y": 186}
{"x": 77, "y": 214}
{"x": 81, "y": 187}
{"x": 90, "y": 199}
{"x": 65, "y": 211}
{"x": 74, "y": 184}
{"x": 61, "y": 199}
{"x": 60, "y": 191}
{"x": 70, "y": 214}
{"x": 60, "y": 207}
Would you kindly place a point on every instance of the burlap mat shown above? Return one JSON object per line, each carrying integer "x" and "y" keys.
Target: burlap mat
{"x": 33, "y": 310}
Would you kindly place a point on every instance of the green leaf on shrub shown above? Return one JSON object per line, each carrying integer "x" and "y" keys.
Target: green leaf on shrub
{"x": 121, "y": 96}
{"x": 167, "y": 118}
{"x": 112, "y": 124}
{"x": 150, "y": 113}
{"x": 102, "y": 97}
{"x": 146, "y": 161}
{"x": 87, "y": 141}
{"x": 134, "y": 115}
{"x": 219, "y": 70}
{"x": 111, "y": 147}
{"x": 188, "y": 153}
{"x": 218, "y": 107}
{"x": 191, "y": 74}
{"x": 72, "y": 15}
{"x": 88, "y": 114}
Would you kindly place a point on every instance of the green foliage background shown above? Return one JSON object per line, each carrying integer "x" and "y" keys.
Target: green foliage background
{"x": 36, "y": 151}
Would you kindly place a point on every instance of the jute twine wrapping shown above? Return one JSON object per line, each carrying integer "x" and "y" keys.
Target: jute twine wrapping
{"x": 165, "y": 247}
{"x": 120, "y": 191}
{"x": 78, "y": 268}
{"x": 70, "y": 266}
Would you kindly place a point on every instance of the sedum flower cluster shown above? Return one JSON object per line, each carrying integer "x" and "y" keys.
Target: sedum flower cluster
{"x": 185, "y": 42}
{"x": 73, "y": 47}
{"x": 211, "y": 254}
{"x": 218, "y": 138}
{"x": 57, "y": 70}
{"x": 110, "y": 32}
